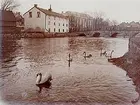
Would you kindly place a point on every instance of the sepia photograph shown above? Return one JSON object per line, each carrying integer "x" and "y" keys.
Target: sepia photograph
{"x": 69, "y": 52}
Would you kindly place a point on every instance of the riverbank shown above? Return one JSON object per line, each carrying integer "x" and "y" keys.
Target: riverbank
{"x": 132, "y": 67}
{"x": 57, "y": 103}
{"x": 51, "y": 35}
{"x": 48, "y": 35}
{"x": 39, "y": 35}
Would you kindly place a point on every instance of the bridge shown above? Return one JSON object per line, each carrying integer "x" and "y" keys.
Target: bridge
{"x": 109, "y": 33}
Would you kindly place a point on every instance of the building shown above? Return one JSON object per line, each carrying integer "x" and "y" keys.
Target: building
{"x": 79, "y": 22}
{"x": 39, "y": 19}
{"x": 7, "y": 22}
{"x": 19, "y": 21}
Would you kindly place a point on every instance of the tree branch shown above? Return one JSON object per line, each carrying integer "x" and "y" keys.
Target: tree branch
{"x": 9, "y": 5}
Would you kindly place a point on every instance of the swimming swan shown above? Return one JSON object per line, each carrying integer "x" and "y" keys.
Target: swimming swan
{"x": 43, "y": 81}
{"x": 87, "y": 56}
{"x": 109, "y": 56}
{"x": 103, "y": 53}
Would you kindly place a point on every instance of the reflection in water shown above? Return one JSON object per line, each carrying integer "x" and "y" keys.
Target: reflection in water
{"x": 93, "y": 80}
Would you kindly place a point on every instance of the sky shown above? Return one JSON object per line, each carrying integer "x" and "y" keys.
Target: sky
{"x": 120, "y": 10}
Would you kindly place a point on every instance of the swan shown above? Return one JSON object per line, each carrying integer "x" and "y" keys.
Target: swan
{"x": 70, "y": 59}
{"x": 109, "y": 56}
{"x": 87, "y": 56}
{"x": 103, "y": 53}
{"x": 43, "y": 81}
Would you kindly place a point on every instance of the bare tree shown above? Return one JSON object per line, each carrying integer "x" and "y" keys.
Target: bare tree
{"x": 98, "y": 18}
{"x": 114, "y": 24}
{"x": 9, "y": 5}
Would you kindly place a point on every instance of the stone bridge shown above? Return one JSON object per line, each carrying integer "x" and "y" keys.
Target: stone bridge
{"x": 109, "y": 33}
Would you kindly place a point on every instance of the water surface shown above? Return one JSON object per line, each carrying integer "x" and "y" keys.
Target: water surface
{"x": 93, "y": 80}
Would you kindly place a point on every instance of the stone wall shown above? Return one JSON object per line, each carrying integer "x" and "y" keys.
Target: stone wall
{"x": 134, "y": 47}
{"x": 47, "y": 35}
{"x": 37, "y": 35}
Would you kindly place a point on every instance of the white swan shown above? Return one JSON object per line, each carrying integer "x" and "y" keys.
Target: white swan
{"x": 43, "y": 81}
{"x": 109, "y": 56}
{"x": 87, "y": 56}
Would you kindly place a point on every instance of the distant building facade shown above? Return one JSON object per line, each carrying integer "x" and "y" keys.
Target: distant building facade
{"x": 45, "y": 20}
{"x": 129, "y": 26}
{"x": 7, "y": 22}
{"x": 19, "y": 22}
{"x": 79, "y": 22}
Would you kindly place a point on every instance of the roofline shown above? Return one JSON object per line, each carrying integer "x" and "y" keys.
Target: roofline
{"x": 52, "y": 15}
{"x": 28, "y": 10}
{"x": 43, "y": 12}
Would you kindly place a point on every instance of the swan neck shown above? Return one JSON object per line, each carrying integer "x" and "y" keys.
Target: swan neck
{"x": 38, "y": 80}
{"x": 85, "y": 53}
{"x": 111, "y": 52}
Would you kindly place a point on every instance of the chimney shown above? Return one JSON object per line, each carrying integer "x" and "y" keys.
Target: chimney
{"x": 50, "y": 9}
{"x": 35, "y": 5}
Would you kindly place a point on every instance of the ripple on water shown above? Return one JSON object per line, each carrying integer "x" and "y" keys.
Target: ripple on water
{"x": 93, "y": 80}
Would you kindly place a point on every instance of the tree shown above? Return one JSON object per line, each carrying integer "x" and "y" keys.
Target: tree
{"x": 114, "y": 24}
{"x": 98, "y": 18}
{"x": 9, "y": 5}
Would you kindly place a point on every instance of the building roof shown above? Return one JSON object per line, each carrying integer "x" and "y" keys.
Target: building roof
{"x": 7, "y": 16}
{"x": 47, "y": 12}
{"x": 51, "y": 13}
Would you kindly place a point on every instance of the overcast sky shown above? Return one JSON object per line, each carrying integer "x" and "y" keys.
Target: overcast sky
{"x": 120, "y": 10}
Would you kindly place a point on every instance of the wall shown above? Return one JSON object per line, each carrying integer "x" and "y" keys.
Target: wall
{"x": 34, "y": 22}
{"x": 50, "y": 20}
{"x": 134, "y": 47}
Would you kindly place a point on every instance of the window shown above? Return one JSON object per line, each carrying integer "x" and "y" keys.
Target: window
{"x": 54, "y": 29}
{"x": 49, "y": 29}
{"x": 49, "y": 22}
{"x": 63, "y": 30}
{"x": 66, "y": 25}
{"x": 54, "y": 23}
{"x": 59, "y": 30}
{"x": 38, "y": 14}
{"x": 30, "y": 14}
{"x": 59, "y": 24}
{"x": 63, "y": 24}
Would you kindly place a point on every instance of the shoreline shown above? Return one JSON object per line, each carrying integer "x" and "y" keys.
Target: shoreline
{"x": 39, "y": 35}
{"x": 50, "y": 35}
{"x": 58, "y": 103}
{"x": 132, "y": 69}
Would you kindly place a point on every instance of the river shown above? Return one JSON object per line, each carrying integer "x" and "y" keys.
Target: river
{"x": 87, "y": 81}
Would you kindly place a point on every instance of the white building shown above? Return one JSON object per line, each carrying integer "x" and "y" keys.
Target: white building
{"x": 45, "y": 20}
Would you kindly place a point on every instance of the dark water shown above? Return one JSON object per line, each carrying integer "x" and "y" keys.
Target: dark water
{"x": 90, "y": 81}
